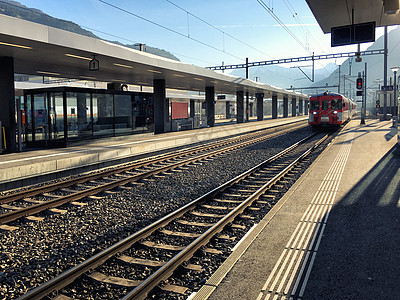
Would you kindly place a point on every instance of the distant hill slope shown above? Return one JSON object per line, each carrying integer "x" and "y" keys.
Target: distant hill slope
{"x": 280, "y": 76}
{"x": 17, "y": 10}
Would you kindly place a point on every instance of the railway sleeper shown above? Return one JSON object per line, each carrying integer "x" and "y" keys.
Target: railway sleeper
{"x": 211, "y": 251}
{"x": 231, "y": 195}
{"x": 246, "y": 191}
{"x": 150, "y": 244}
{"x": 201, "y": 214}
{"x": 30, "y": 200}
{"x": 241, "y": 185}
{"x": 226, "y": 237}
{"x": 197, "y": 224}
{"x": 6, "y": 227}
{"x": 237, "y": 226}
{"x": 119, "y": 281}
{"x": 253, "y": 208}
{"x": 76, "y": 203}
{"x": 279, "y": 186}
{"x": 141, "y": 261}
{"x": 10, "y": 207}
{"x": 57, "y": 210}
{"x": 67, "y": 190}
{"x": 180, "y": 234}
{"x": 242, "y": 216}
{"x": 216, "y": 207}
{"x": 227, "y": 201}
{"x": 174, "y": 288}
{"x": 51, "y": 195}
{"x": 260, "y": 182}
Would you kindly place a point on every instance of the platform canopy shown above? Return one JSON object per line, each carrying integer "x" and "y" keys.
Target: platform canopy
{"x": 48, "y": 51}
{"x": 334, "y": 13}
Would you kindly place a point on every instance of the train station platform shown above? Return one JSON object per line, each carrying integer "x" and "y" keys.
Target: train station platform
{"x": 335, "y": 233}
{"x": 18, "y": 169}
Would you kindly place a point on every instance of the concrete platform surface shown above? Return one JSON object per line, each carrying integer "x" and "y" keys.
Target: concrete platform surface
{"x": 99, "y": 153}
{"x": 334, "y": 235}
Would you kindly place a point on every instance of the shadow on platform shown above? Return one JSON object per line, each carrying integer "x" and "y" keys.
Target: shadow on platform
{"x": 359, "y": 254}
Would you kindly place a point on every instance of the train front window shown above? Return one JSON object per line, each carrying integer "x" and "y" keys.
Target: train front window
{"x": 336, "y": 104}
{"x": 314, "y": 105}
{"x": 325, "y": 104}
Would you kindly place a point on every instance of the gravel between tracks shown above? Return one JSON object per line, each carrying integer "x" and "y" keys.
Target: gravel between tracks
{"x": 38, "y": 251}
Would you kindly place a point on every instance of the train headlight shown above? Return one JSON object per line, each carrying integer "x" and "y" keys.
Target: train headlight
{"x": 314, "y": 112}
{"x": 335, "y": 112}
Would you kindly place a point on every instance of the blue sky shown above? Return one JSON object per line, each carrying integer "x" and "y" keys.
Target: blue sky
{"x": 245, "y": 20}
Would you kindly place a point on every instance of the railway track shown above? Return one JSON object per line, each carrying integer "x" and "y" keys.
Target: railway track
{"x": 29, "y": 202}
{"x": 160, "y": 248}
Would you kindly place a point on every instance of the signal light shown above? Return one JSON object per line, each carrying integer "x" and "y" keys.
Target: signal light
{"x": 359, "y": 83}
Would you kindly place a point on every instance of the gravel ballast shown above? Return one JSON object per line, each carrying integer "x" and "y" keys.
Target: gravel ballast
{"x": 39, "y": 251}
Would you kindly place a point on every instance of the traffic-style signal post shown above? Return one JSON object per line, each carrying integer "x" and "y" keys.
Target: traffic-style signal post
{"x": 359, "y": 83}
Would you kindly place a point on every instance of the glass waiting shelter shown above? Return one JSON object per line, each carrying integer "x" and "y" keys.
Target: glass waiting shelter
{"x": 55, "y": 117}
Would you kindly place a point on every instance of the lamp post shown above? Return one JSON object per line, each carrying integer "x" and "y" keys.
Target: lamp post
{"x": 396, "y": 103}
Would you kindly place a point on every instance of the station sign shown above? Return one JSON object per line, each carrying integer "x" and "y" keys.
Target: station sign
{"x": 221, "y": 97}
{"x": 353, "y": 34}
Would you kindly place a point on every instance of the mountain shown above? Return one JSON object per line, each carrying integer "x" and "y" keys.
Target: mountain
{"x": 286, "y": 77}
{"x": 17, "y": 10}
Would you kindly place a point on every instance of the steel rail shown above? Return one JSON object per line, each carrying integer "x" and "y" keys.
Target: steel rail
{"x": 70, "y": 182}
{"x": 36, "y": 208}
{"x": 69, "y": 276}
{"x": 141, "y": 291}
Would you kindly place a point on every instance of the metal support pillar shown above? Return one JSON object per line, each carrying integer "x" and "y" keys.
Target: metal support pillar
{"x": 7, "y": 102}
{"x": 239, "y": 107}
{"x": 228, "y": 109}
{"x": 385, "y": 56}
{"x": 260, "y": 106}
{"x": 192, "y": 108}
{"x": 294, "y": 107}
{"x": 247, "y": 106}
{"x": 395, "y": 95}
{"x": 300, "y": 107}
{"x": 274, "y": 106}
{"x": 306, "y": 108}
{"x": 210, "y": 105}
{"x": 285, "y": 106}
{"x": 160, "y": 109}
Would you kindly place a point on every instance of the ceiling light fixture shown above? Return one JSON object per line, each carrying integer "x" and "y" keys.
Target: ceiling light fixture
{"x": 48, "y": 73}
{"x": 87, "y": 77}
{"x": 15, "y": 45}
{"x": 77, "y": 56}
{"x": 123, "y": 66}
{"x": 154, "y": 71}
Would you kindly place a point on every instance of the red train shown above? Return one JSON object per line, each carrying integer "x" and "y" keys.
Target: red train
{"x": 330, "y": 109}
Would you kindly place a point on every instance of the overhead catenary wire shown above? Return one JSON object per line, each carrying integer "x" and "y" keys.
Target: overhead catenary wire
{"x": 216, "y": 28}
{"x": 135, "y": 42}
{"x": 262, "y": 3}
{"x": 167, "y": 28}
